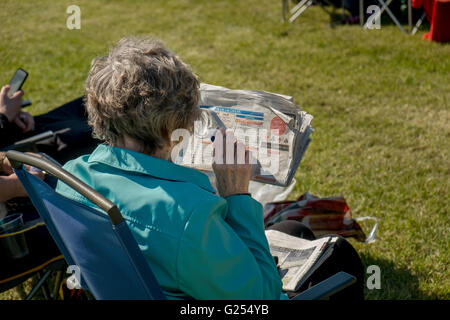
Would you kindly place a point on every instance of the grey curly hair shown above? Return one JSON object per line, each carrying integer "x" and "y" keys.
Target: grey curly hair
{"x": 141, "y": 90}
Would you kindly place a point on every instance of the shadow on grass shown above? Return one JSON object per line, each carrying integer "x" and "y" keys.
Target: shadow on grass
{"x": 396, "y": 283}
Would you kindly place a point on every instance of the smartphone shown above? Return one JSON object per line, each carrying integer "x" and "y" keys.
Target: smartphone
{"x": 17, "y": 81}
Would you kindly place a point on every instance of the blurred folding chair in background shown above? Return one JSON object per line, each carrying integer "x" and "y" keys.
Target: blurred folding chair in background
{"x": 292, "y": 14}
{"x": 100, "y": 244}
{"x": 384, "y": 6}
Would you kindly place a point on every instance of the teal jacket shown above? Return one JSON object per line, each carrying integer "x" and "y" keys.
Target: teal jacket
{"x": 198, "y": 244}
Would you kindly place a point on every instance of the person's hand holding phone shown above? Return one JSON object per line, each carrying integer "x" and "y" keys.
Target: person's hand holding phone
{"x": 10, "y": 106}
{"x": 232, "y": 170}
{"x": 11, "y": 102}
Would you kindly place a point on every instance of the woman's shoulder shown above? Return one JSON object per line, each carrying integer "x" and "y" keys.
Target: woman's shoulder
{"x": 75, "y": 167}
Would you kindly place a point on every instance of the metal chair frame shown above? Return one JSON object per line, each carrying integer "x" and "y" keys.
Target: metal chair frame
{"x": 385, "y": 7}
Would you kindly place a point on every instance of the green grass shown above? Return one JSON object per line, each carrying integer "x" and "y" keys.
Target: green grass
{"x": 381, "y": 102}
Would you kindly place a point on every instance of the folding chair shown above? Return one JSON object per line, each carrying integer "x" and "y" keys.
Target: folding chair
{"x": 327, "y": 287}
{"x": 101, "y": 245}
{"x": 44, "y": 259}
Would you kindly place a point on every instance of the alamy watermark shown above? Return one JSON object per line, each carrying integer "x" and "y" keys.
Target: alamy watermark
{"x": 374, "y": 279}
{"x": 73, "y": 281}
{"x": 374, "y": 20}
{"x": 74, "y": 19}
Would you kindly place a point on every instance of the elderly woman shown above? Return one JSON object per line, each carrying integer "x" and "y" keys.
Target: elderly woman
{"x": 200, "y": 245}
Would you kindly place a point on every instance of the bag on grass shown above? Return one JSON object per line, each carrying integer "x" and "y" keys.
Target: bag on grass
{"x": 322, "y": 215}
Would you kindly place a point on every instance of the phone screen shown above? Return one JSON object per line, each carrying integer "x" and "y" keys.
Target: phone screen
{"x": 17, "y": 81}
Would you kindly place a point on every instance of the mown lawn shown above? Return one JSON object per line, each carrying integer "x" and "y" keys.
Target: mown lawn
{"x": 381, "y": 102}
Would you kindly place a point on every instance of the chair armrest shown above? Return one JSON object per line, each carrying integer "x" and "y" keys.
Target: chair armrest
{"x": 17, "y": 159}
{"x": 328, "y": 287}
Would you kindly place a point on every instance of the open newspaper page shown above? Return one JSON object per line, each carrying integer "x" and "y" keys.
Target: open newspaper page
{"x": 297, "y": 258}
{"x": 271, "y": 126}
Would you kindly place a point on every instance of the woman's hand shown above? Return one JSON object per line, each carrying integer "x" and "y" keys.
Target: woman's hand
{"x": 10, "y": 106}
{"x": 232, "y": 170}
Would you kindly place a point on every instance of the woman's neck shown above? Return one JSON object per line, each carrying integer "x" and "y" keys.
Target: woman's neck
{"x": 133, "y": 145}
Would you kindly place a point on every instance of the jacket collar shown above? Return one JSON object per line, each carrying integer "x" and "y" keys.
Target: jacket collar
{"x": 131, "y": 161}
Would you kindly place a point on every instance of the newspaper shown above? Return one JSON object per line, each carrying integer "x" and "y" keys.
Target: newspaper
{"x": 298, "y": 258}
{"x": 274, "y": 129}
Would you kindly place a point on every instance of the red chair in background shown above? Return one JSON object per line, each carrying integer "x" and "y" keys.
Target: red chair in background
{"x": 438, "y": 14}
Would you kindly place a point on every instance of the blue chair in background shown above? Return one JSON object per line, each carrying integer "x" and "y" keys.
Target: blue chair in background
{"x": 101, "y": 246}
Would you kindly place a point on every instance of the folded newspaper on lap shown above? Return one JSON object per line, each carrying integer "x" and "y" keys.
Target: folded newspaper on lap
{"x": 271, "y": 126}
{"x": 298, "y": 258}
